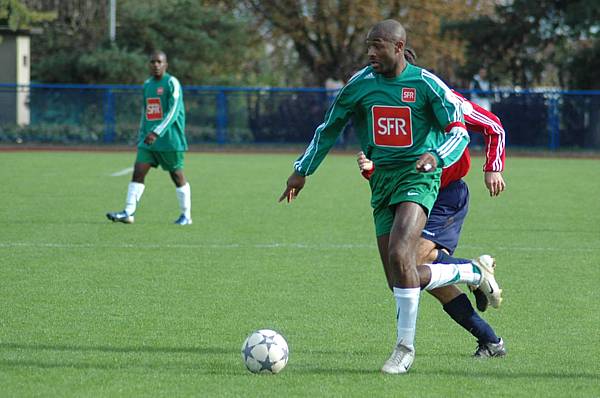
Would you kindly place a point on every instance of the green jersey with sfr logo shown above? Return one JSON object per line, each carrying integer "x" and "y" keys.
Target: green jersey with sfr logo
{"x": 164, "y": 114}
{"x": 396, "y": 120}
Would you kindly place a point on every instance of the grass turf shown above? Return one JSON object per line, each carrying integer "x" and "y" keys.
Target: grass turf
{"x": 92, "y": 308}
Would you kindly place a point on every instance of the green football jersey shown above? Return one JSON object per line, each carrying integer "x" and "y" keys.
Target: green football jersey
{"x": 396, "y": 120}
{"x": 163, "y": 114}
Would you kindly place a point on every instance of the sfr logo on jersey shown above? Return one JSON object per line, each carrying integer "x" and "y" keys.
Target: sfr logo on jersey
{"x": 409, "y": 94}
{"x": 153, "y": 109}
{"x": 391, "y": 126}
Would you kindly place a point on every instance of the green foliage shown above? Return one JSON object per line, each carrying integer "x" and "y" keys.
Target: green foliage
{"x": 204, "y": 45}
{"x": 62, "y": 134}
{"x": 112, "y": 65}
{"x": 582, "y": 70}
{"x": 528, "y": 43}
{"x": 108, "y": 64}
{"x": 16, "y": 15}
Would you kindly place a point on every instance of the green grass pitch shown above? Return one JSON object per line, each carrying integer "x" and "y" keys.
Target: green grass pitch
{"x": 95, "y": 309}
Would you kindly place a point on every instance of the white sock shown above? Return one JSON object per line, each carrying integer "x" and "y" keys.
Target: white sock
{"x": 451, "y": 274}
{"x": 134, "y": 193}
{"x": 407, "y": 308}
{"x": 184, "y": 197}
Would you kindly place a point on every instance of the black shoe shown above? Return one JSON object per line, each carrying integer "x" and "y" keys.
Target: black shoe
{"x": 490, "y": 350}
{"x": 481, "y": 300}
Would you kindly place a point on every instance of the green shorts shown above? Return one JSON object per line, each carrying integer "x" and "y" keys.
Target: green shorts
{"x": 168, "y": 160}
{"x": 392, "y": 187}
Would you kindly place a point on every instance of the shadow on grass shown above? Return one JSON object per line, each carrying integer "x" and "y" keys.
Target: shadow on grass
{"x": 197, "y": 359}
{"x": 138, "y": 349}
{"x": 492, "y": 374}
{"x": 203, "y": 361}
{"x": 179, "y": 368}
{"x": 509, "y": 374}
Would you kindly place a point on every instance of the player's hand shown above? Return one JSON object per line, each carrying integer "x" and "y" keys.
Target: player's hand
{"x": 150, "y": 138}
{"x": 426, "y": 162}
{"x": 494, "y": 182}
{"x": 294, "y": 184}
{"x": 364, "y": 164}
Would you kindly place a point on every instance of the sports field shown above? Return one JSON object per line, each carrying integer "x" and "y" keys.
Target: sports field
{"x": 95, "y": 309}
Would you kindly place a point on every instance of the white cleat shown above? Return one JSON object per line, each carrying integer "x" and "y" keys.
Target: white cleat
{"x": 183, "y": 220}
{"x": 400, "y": 361}
{"x": 488, "y": 285}
{"x": 120, "y": 216}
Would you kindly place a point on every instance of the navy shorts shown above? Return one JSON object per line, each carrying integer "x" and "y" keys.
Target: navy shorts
{"x": 447, "y": 216}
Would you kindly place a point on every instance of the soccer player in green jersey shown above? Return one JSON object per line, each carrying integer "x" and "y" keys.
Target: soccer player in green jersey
{"x": 161, "y": 141}
{"x": 442, "y": 231}
{"x": 410, "y": 125}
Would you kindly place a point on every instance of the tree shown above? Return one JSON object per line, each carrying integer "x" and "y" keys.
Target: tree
{"x": 15, "y": 15}
{"x": 204, "y": 44}
{"x": 527, "y": 43}
{"x": 582, "y": 70}
{"x": 79, "y": 29}
{"x": 328, "y": 36}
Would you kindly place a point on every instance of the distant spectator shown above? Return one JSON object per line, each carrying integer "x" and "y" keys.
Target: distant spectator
{"x": 480, "y": 83}
{"x": 333, "y": 87}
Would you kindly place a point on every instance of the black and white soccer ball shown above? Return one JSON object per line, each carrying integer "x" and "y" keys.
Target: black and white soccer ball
{"x": 265, "y": 351}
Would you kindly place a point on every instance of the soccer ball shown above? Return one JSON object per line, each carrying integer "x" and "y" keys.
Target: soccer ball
{"x": 265, "y": 351}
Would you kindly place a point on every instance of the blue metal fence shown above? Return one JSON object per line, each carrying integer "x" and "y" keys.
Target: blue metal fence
{"x": 110, "y": 114}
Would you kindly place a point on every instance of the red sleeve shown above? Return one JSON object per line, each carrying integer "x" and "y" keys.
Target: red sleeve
{"x": 485, "y": 122}
{"x": 457, "y": 171}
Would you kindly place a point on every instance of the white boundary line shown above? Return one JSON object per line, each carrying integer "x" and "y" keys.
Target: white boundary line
{"x": 186, "y": 246}
{"x": 122, "y": 172}
{"x": 51, "y": 245}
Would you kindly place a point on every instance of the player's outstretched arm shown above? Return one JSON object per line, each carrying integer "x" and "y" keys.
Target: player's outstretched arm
{"x": 295, "y": 183}
{"x": 494, "y": 182}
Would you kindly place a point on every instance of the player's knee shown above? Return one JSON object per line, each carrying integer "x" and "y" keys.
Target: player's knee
{"x": 427, "y": 252}
{"x": 402, "y": 258}
{"x": 426, "y": 256}
{"x": 178, "y": 178}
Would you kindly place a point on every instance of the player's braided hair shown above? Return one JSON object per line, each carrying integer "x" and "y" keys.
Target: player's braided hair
{"x": 410, "y": 55}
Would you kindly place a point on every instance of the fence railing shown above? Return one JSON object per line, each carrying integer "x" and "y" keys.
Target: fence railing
{"x": 110, "y": 114}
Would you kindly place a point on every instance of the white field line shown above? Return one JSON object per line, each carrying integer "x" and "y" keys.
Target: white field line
{"x": 186, "y": 246}
{"x": 122, "y": 172}
{"x": 263, "y": 246}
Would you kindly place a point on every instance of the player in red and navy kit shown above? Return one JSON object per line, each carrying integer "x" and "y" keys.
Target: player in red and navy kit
{"x": 441, "y": 233}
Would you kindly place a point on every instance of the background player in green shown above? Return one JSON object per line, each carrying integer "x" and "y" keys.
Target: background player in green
{"x": 161, "y": 140}
{"x": 410, "y": 126}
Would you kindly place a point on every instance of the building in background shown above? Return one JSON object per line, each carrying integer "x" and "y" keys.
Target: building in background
{"x": 15, "y": 59}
